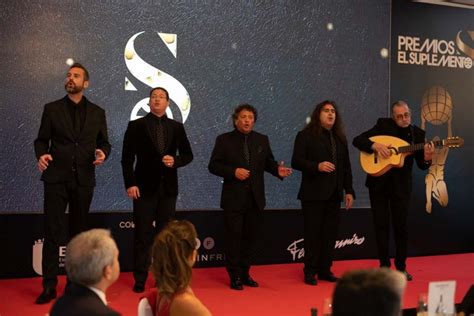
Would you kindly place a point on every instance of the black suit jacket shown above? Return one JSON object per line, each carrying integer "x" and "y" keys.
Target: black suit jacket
{"x": 79, "y": 300}
{"x": 309, "y": 150}
{"x": 228, "y": 155}
{"x": 56, "y": 137}
{"x": 141, "y": 148}
{"x": 398, "y": 180}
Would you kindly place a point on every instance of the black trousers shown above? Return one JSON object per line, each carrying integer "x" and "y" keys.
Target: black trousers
{"x": 158, "y": 208}
{"x": 385, "y": 206}
{"x": 58, "y": 227}
{"x": 242, "y": 228}
{"x": 321, "y": 223}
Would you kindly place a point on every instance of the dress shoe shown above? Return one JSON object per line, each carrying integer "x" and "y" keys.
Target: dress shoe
{"x": 249, "y": 282}
{"x": 330, "y": 277}
{"x": 236, "y": 284}
{"x": 138, "y": 287}
{"x": 46, "y": 296}
{"x": 408, "y": 276}
{"x": 310, "y": 279}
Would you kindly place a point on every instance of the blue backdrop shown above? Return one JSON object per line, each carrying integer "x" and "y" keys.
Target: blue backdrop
{"x": 281, "y": 56}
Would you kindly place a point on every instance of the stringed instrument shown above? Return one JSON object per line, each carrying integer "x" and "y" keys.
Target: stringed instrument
{"x": 375, "y": 165}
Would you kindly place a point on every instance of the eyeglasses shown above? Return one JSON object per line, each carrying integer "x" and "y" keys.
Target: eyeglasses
{"x": 400, "y": 117}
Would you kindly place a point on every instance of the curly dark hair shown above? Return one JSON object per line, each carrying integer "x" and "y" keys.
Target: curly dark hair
{"x": 315, "y": 124}
{"x": 241, "y": 107}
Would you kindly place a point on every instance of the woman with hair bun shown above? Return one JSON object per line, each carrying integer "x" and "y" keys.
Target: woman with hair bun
{"x": 173, "y": 256}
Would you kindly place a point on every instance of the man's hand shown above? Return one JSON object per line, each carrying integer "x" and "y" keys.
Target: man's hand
{"x": 349, "y": 201}
{"x": 326, "y": 166}
{"x": 428, "y": 151}
{"x": 168, "y": 161}
{"x": 382, "y": 150}
{"x": 43, "y": 162}
{"x": 242, "y": 174}
{"x": 284, "y": 171}
{"x": 133, "y": 192}
{"x": 99, "y": 157}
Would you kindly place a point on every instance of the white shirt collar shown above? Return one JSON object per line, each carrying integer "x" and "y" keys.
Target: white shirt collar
{"x": 99, "y": 293}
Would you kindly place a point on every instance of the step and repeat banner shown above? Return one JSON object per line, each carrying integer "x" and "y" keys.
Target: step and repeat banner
{"x": 281, "y": 239}
{"x": 432, "y": 53}
{"x": 21, "y": 239}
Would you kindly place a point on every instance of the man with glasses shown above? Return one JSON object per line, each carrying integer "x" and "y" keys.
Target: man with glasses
{"x": 390, "y": 193}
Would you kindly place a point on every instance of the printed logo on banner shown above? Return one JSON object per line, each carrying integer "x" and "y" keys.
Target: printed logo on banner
{"x": 434, "y": 52}
{"x": 297, "y": 250}
{"x": 38, "y": 256}
{"x": 436, "y": 110}
{"x": 355, "y": 240}
{"x": 126, "y": 225}
{"x": 208, "y": 244}
{"x": 154, "y": 77}
{"x": 130, "y": 224}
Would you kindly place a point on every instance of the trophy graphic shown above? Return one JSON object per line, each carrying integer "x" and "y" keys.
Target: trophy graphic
{"x": 437, "y": 109}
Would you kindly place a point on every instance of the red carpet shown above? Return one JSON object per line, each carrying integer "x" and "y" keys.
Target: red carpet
{"x": 281, "y": 290}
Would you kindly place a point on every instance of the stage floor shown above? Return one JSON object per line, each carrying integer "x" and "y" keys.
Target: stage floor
{"x": 281, "y": 291}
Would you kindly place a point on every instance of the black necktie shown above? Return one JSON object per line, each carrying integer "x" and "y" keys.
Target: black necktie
{"x": 333, "y": 147}
{"x": 77, "y": 121}
{"x": 160, "y": 137}
{"x": 246, "y": 150}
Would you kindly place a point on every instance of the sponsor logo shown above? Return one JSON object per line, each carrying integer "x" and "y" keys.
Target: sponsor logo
{"x": 38, "y": 256}
{"x": 434, "y": 52}
{"x": 208, "y": 244}
{"x": 131, "y": 224}
{"x": 296, "y": 248}
{"x": 126, "y": 225}
{"x": 210, "y": 257}
{"x": 349, "y": 241}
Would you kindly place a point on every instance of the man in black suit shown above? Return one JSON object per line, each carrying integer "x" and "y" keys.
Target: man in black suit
{"x": 321, "y": 154}
{"x": 154, "y": 147}
{"x": 390, "y": 193}
{"x": 241, "y": 157}
{"x": 72, "y": 140}
{"x": 92, "y": 266}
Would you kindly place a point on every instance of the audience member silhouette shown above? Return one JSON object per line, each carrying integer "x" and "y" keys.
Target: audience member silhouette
{"x": 375, "y": 292}
{"x": 92, "y": 266}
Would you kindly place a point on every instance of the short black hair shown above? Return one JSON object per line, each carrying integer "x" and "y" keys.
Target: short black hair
{"x": 78, "y": 65}
{"x": 162, "y": 89}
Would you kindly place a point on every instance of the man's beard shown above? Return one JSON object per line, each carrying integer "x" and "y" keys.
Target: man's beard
{"x": 73, "y": 89}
